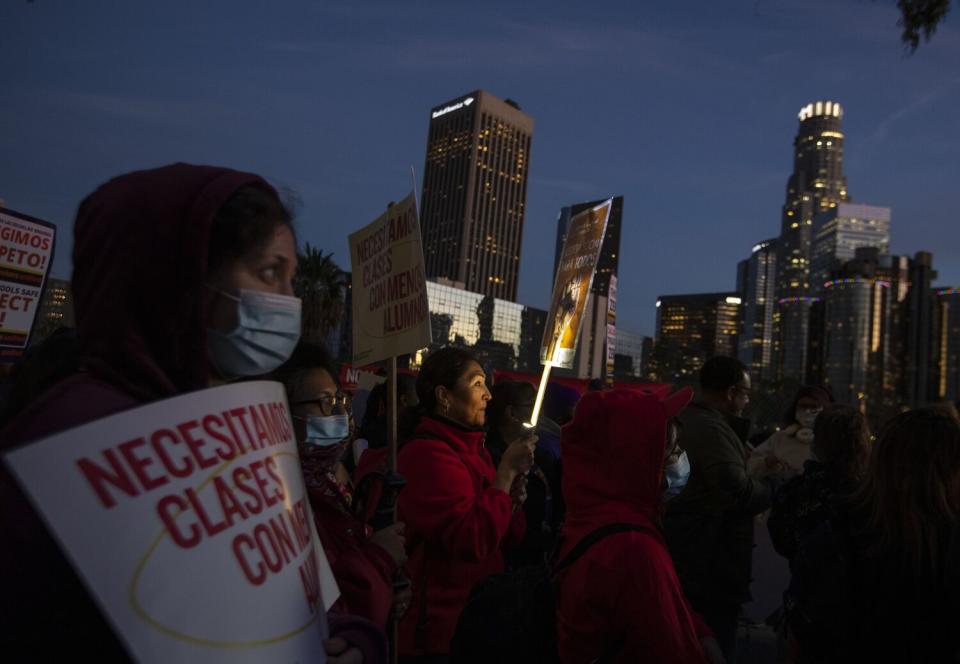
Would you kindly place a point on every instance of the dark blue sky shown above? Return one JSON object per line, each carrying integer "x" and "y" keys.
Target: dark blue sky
{"x": 687, "y": 109}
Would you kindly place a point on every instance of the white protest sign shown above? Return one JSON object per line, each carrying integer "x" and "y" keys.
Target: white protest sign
{"x": 188, "y": 520}
{"x": 26, "y": 253}
{"x": 391, "y": 315}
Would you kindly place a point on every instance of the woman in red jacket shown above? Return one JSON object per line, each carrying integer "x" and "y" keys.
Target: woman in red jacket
{"x": 457, "y": 506}
{"x": 621, "y": 600}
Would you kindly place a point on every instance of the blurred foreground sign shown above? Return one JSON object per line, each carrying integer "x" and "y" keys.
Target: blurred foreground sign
{"x": 26, "y": 253}
{"x": 188, "y": 521}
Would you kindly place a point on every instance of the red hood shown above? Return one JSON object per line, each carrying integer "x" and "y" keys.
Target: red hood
{"x": 140, "y": 260}
{"x": 613, "y": 460}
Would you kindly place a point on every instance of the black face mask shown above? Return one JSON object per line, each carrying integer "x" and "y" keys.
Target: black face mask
{"x": 741, "y": 426}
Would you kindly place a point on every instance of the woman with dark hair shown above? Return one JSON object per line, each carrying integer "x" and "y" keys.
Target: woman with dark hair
{"x": 788, "y": 449}
{"x": 841, "y": 447}
{"x": 510, "y": 406}
{"x": 458, "y": 507}
{"x": 882, "y": 582}
{"x": 182, "y": 279}
{"x": 363, "y": 562}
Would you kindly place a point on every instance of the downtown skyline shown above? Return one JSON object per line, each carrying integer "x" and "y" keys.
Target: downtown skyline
{"x": 688, "y": 115}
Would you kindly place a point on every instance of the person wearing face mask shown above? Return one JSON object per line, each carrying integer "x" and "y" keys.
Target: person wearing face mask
{"x": 459, "y": 508}
{"x": 709, "y": 526}
{"x": 363, "y": 562}
{"x": 788, "y": 449}
{"x": 181, "y": 280}
{"x": 621, "y": 600}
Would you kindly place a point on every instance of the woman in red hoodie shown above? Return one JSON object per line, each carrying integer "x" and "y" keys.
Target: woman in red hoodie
{"x": 458, "y": 508}
{"x": 621, "y": 600}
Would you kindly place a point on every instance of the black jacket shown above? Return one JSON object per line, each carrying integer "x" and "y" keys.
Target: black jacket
{"x": 709, "y": 526}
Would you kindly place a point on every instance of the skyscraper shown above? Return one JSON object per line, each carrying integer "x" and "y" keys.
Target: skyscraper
{"x": 474, "y": 193}
{"x": 693, "y": 328}
{"x": 757, "y": 285}
{"x": 839, "y": 232}
{"x": 858, "y": 328}
{"x": 947, "y": 360}
{"x": 816, "y": 185}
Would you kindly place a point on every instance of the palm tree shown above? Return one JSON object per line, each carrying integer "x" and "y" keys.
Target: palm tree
{"x": 320, "y": 284}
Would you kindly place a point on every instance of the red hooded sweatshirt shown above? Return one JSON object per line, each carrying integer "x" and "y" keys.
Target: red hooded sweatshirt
{"x": 623, "y": 594}
{"x": 139, "y": 264}
{"x": 456, "y": 522}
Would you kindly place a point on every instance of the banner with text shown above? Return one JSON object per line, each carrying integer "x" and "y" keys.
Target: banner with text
{"x": 578, "y": 263}
{"x": 391, "y": 315}
{"x": 26, "y": 254}
{"x": 188, "y": 520}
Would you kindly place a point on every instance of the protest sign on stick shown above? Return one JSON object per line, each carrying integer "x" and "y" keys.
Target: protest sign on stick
{"x": 575, "y": 272}
{"x": 188, "y": 521}
{"x": 26, "y": 254}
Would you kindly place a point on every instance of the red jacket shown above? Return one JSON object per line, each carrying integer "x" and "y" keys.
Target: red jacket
{"x": 363, "y": 570}
{"x": 456, "y": 522}
{"x": 623, "y": 594}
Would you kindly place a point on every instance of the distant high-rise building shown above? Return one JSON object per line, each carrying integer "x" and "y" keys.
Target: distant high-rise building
{"x": 757, "y": 284}
{"x": 693, "y": 328}
{"x": 858, "y": 363}
{"x": 816, "y": 185}
{"x": 919, "y": 349}
{"x": 839, "y": 232}
{"x": 609, "y": 252}
{"x": 946, "y": 364}
{"x": 628, "y": 354}
{"x": 56, "y": 309}
{"x": 474, "y": 193}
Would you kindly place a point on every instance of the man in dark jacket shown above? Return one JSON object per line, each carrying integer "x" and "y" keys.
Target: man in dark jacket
{"x": 709, "y": 526}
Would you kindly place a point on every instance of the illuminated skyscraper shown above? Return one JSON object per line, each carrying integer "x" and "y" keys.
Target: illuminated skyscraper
{"x": 693, "y": 328}
{"x": 816, "y": 185}
{"x": 758, "y": 287}
{"x": 839, "y": 232}
{"x": 474, "y": 193}
{"x": 947, "y": 359}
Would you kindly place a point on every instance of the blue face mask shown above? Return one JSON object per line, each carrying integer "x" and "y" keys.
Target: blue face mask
{"x": 676, "y": 475}
{"x": 326, "y": 430}
{"x": 268, "y": 328}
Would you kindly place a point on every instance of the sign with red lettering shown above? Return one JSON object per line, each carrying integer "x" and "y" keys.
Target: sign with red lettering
{"x": 188, "y": 521}
{"x": 391, "y": 315}
{"x": 26, "y": 253}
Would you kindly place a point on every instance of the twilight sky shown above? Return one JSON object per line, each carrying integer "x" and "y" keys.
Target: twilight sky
{"x": 687, "y": 109}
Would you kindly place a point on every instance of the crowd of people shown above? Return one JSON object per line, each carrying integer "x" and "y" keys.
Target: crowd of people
{"x": 635, "y": 511}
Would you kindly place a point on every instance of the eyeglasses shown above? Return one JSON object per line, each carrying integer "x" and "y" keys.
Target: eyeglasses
{"x": 329, "y": 402}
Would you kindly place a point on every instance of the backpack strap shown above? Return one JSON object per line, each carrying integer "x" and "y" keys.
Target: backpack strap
{"x": 592, "y": 538}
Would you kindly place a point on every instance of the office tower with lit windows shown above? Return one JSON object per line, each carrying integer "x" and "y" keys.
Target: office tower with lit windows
{"x": 839, "y": 232}
{"x": 474, "y": 193}
{"x": 757, "y": 284}
{"x": 56, "y": 310}
{"x": 816, "y": 185}
{"x": 693, "y": 328}
{"x": 858, "y": 333}
{"x": 946, "y": 361}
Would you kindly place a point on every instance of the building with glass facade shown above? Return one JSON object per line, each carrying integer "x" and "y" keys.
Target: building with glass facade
{"x": 693, "y": 328}
{"x": 504, "y": 335}
{"x": 474, "y": 193}
{"x": 628, "y": 350}
{"x": 816, "y": 185}
{"x": 757, "y": 284}
{"x": 839, "y": 232}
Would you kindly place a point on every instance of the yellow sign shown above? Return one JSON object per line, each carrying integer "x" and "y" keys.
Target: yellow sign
{"x": 578, "y": 264}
